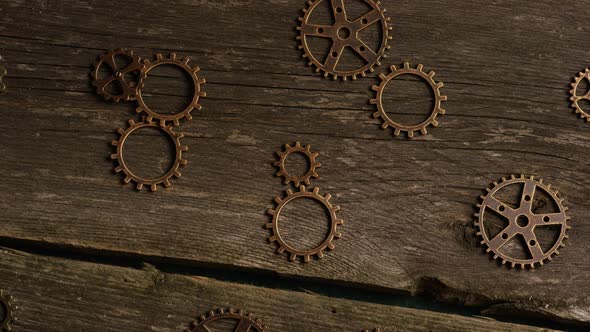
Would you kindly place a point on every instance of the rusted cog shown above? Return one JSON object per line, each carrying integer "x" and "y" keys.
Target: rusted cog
{"x": 328, "y": 242}
{"x": 9, "y": 308}
{"x": 129, "y": 175}
{"x": 311, "y": 157}
{"x": 585, "y": 75}
{"x": 128, "y": 83}
{"x": 197, "y": 93}
{"x": 521, "y": 221}
{"x": 344, "y": 33}
{"x": 399, "y": 127}
{"x": 246, "y": 322}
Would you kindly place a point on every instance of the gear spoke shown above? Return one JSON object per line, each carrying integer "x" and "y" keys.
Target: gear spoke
{"x": 364, "y": 51}
{"x": 338, "y": 10}
{"x": 503, "y": 237}
{"x": 533, "y": 244}
{"x": 549, "y": 219}
{"x": 528, "y": 192}
{"x": 110, "y": 60}
{"x": 317, "y": 30}
{"x": 368, "y": 19}
{"x": 334, "y": 56}
{"x": 243, "y": 326}
{"x": 497, "y": 206}
{"x": 102, "y": 84}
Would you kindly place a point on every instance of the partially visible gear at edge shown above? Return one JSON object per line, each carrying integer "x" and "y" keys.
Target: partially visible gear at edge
{"x": 197, "y": 93}
{"x": 575, "y": 99}
{"x": 311, "y": 157}
{"x": 246, "y": 321}
{"x": 521, "y": 221}
{"x": 306, "y": 254}
{"x": 399, "y": 127}
{"x": 129, "y": 86}
{"x": 129, "y": 175}
{"x": 9, "y": 309}
{"x": 344, "y": 33}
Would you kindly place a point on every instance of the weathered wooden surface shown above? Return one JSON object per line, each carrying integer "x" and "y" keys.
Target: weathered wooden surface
{"x": 407, "y": 205}
{"x": 63, "y": 295}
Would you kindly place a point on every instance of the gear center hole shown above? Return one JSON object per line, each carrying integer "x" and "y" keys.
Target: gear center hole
{"x": 522, "y": 220}
{"x": 408, "y": 100}
{"x": 297, "y": 164}
{"x": 304, "y": 223}
{"x": 168, "y": 89}
{"x": 344, "y": 33}
{"x": 149, "y": 152}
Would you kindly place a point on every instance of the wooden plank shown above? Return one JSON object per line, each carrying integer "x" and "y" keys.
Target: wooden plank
{"x": 407, "y": 204}
{"x": 55, "y": 294}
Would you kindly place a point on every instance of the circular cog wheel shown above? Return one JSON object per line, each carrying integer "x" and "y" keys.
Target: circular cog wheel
{"x": 129, "y": 87}
{"x": 196, "y": 80}
{"x": 398, "y": 127}
{"x": 344, "y": 33}
{"x": 246, "y": 322}
{"x": 129, "y": 175}
{"x": 328, "y": 242}
{"x": 8, "y": 310}
{"x": 311, "y": 157}
{"x": 521, "y": 221}
{"x": 575, "y": 99}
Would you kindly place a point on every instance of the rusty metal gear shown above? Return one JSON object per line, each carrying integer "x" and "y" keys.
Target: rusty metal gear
{"x": 344, "y": 33}
{"x": 196, "y": 80}
{"x": 521, "y": 221}
{"x": 398, "y": 127}
{"x": 575, "y": 99}
{"x": 129, "y": 175}
{"x": 246, "y": 322}
{"x": 311, "y": 157}
{"x": 8, "y": 311}
{"x": 128, "y": 84}
{"x": 328, "y": 242}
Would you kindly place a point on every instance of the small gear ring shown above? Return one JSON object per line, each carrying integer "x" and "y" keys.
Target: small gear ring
{"x": 194, "y": 103}
{"x": 8, "y": 311}
{"x": 328, "y": 241}
{"x": 129, "y": 175}
{"x": 120, "y": 75}
{"x": 398, "y": 127}
{"x": 246, "y": 322}
{"x": 521, "y": 221}
{"x": 575, "y": 99}
{"x": 311, "y": 157}
{"x": 344, "y": 33}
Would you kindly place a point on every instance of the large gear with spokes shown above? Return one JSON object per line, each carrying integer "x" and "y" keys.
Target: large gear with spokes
{"x": 8, "y": 311}
{"x": 197, "y": 81}
{"x": 344, "y": 33}
{"x": 173, "y": 171}
{"x": 297, "y": 179}
{"x": 306, "y": 254}
{"x": 246, "y": 321}
{"x": 522, "y": 221}
{"x": 398, "y": 127}
{"x": 575, "y": 98}
{"x": 128, "y": 83}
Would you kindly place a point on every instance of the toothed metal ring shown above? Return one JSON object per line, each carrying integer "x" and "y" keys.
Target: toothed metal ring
{"x": 311, "y": 157}
{"x": 246, "y": 321}
{"x": 8, "y": 311}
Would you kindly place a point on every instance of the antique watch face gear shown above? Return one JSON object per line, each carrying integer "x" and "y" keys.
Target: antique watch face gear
{"x": 575, "y": 98}
{"x": 245, "y": 322}
{"x": 293, "y": 252}
{"x": 311, "y": 158}
{"x": 522, "y": 221}
{"x": 398, "y": 128}
{"x": 344, "y": 33}
{"x": 126, "y": 77}
{"x": 7, "y": 309}
{"x": 129, "y": 175}
{"x": 197, "y": 93}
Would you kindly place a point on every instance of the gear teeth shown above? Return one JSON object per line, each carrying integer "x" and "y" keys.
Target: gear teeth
{"x": 8, "y": 317}
{"x": 130, "y": 176}
{"x": 483, "y": 234}
{"x": 232, "y": 314}
{"x": 583, "y": 114}
{"x": 301, "y": 180}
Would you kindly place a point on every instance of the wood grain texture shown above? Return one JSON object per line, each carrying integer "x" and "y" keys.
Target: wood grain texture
{"x": 407, "y": 204}
{"x": 62, "y": 295}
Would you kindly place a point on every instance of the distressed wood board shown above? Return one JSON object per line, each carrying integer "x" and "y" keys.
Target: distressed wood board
{"x": 407, "y": 204}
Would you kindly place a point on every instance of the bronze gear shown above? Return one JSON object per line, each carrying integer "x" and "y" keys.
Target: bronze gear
{"x": 121, "y": 75}
{"x": 197, "y": 82}
{"x": 530, "y": 186}
{"x": 584, "y": 114}
{"x": 311, "y": 157}
{"x": 398, "y": 127}
{"x": 294, "y": 252}
{"x": 246, "y": 322}
{"x": 344, "y": 33}
{"x": 9, "y": 308}
{"x": 129, "y": 175}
